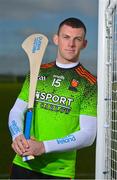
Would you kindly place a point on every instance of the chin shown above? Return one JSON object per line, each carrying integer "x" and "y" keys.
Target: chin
{"x": 72, "y": 60}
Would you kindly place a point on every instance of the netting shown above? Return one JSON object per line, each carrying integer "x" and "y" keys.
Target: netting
{"x": 114, "y": 101}
{"x": 106, "y": 147}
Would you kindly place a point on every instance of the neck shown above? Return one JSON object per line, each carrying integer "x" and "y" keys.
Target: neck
{"x": 63, "y": 61}
{"x": 66, "y": 66}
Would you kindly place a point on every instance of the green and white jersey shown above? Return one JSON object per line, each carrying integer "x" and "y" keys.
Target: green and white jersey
{"x": 62, "y": 95}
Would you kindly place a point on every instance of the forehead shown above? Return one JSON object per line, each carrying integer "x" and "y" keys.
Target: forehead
{"x": 68, "y": 30}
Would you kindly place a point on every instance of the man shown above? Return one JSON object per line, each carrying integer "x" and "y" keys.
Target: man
{"x": 64, "y": 114}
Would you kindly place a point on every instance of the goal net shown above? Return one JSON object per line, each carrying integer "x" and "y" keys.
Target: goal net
{"x": 106, "y": 147}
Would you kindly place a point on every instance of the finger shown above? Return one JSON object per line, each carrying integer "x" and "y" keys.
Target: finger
{"x": 22, "y": 139}
{"x": 16, "y": 149}
{"x": 18, "y": 144}
{"x": 21, "y": 146}
{"x": 13, "y": 147}
{"x": 32, "y": 138}
{"x": 25, "y": 143}
{"x": 28, "y": 153}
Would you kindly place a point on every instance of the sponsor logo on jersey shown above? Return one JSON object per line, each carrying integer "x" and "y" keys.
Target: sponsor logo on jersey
{"x": 54, "y": 102}
{"x": 42, "y": 78}
{"x": 59, "y": 77}
{"x": 73, "y": 85}
{"x": 67, "y": 139}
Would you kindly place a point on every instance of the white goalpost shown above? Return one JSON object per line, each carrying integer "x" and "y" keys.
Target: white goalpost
{"x": 106, "y": 145}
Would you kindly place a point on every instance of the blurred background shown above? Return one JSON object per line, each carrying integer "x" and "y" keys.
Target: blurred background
{"x": 18, "y": 20}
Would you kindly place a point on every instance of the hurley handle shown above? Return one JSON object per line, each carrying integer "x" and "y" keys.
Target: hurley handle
{"x": 27, "y": 131}
{"x": 28, "y": 124}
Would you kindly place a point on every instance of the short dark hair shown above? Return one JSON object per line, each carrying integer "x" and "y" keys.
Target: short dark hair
{"x": 73, "y": 22}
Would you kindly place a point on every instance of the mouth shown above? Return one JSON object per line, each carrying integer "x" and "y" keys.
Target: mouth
{"x": 70, "y": 50}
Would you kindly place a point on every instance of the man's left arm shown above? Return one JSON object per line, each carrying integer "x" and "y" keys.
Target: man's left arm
{"x": 77, "y": 140}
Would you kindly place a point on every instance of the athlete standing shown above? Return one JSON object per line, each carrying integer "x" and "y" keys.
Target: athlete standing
{"x": 64, "y": 117}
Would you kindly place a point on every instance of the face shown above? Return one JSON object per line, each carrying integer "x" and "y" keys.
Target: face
{"x": 70, "y": 41}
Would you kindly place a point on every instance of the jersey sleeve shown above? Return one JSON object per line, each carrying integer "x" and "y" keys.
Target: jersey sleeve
{"x": 89, "y": 101}
{"x": 24, "y": 93}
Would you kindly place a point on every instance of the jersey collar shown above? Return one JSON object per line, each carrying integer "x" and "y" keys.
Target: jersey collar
{"x": 66, "y": 66}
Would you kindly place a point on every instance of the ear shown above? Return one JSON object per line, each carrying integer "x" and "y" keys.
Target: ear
{"x": 84, "y": 44}
{"x": 55, "y": 39}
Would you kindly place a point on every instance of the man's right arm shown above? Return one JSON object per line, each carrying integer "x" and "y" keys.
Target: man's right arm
{"x": 16, "y": 118}
{"x": 16, "y": 124}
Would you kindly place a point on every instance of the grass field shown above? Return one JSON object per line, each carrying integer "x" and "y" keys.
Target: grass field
{"x": 8, "y": 93}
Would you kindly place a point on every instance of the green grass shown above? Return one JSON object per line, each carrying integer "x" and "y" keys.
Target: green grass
{"x": 8, "y": 93}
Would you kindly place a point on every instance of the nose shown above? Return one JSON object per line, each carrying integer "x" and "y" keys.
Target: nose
{"x": 71, "y": 43}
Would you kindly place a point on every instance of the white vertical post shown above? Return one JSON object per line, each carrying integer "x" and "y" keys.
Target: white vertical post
{"x": 103, "y": 144}
{"x": 100, "y": 144}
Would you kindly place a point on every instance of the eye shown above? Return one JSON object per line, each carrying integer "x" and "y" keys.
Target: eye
{"x": 66, "y": 37}
{"x": 79, "y": 39}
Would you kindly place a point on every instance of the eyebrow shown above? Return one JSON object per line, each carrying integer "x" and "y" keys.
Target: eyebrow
{"x": 80, "y": 37}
